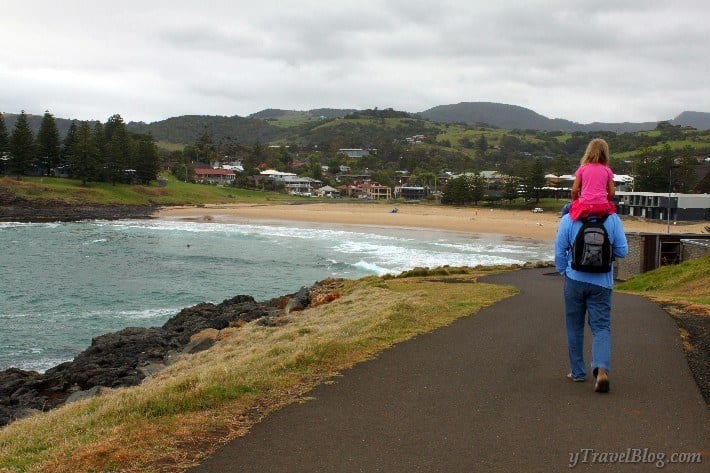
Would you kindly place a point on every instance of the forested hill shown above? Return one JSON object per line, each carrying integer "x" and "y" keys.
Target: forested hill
{"x": 277, "y": 125}
{"x": 275, "y": 113}
{"x": 516, "y": 117}
{"x": 34, "y": 121}
{"x": 188, "y": 128}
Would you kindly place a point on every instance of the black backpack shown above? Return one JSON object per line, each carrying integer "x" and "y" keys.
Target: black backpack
{"x": 591, "y": 251}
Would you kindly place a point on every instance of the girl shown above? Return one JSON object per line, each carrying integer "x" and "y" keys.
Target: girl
{"x": 593, "y": 188}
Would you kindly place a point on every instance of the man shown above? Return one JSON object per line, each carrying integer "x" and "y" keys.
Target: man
{"x": 587, "y": 292}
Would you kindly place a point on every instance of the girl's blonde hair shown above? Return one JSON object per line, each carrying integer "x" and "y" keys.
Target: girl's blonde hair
{"x": 597, "y": 152}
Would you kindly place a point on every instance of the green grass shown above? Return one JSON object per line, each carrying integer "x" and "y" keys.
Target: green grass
{"x": 175, "y": 193}
{"x": 185, "y": 411}
{"x": 684, "y": 283}
{"x": 701, "y": 142}
{"x": 169, "y": 146}
{"x": 293, "y": 118}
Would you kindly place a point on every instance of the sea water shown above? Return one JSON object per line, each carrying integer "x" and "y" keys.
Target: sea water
{"x": 61, "y": 284}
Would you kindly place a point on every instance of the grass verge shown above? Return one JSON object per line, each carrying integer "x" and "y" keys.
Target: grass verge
{"x": 686, "y": 284}
{"x": 179, "y": 416}
{"x": 70, "y": 191}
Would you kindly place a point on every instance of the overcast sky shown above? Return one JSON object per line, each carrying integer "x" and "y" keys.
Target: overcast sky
{"x": 601, "y": 60}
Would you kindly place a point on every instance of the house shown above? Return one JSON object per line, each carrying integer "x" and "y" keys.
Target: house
{"x": 412, "y": 192}
{"x": 376, "y": 191}
{"x": 214, "y": 176}
{"x": 354, "y": 152}
{"x": 327, "y": 191}
{"x": 298, "y": 185}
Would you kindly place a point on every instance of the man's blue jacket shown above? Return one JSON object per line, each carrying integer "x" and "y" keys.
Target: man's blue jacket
{"x": 566, "y": 234}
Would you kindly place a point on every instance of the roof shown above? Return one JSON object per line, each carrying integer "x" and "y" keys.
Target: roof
{"x": 214, "y": 172}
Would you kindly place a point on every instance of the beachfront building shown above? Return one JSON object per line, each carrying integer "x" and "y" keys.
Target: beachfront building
{"x": 656, "y": 206}
{"x": 366, "y": 190}
{"x": 214, "y": 176}
{"x": 411, "y": 192}
{"x": 292, "y": 183}
{"x": 327, "y": 191}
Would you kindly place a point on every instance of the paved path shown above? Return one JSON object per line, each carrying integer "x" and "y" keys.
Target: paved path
{"x": 488, "y": 393}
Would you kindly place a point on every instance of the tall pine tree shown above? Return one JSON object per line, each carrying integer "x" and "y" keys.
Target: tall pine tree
{"x": 48, "y": 144}
{"x": 118, "y": 149}
{"x": 68, "y": 143}
{"x": 4, "y": 137}
{"x": 84, "y": 154}
{"x": 22, "y": 150}
{"x": 146, "y": 160}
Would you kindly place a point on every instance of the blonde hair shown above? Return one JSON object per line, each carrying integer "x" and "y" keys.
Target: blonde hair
{"x": 597, "y": 152}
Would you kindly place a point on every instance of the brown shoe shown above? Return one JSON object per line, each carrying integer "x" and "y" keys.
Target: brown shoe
{"x": 602, "y": 384}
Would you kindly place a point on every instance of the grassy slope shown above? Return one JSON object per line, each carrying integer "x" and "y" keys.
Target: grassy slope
{"x": 686, "y": 284}
{"x": 182, "y": 413}
{"x": 176, "y": 192}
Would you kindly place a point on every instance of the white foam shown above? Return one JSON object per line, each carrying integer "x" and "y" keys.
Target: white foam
{"x": 143, "y": 314}
{"x": 373, "y": 268}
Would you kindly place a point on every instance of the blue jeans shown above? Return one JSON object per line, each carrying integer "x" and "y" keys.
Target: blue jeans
{"x": 582, "y": 298}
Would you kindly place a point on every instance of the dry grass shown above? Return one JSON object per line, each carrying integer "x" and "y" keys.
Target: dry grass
{"x": 179, "y": 416}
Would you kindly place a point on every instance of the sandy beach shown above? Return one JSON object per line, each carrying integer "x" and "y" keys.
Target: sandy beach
{"x": 541, "y": 226}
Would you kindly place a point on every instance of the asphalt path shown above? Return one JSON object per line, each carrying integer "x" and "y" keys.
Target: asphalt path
{"x": 489, "y": 393}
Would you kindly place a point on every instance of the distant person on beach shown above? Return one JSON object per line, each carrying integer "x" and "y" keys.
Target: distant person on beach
{"x": 593, "y": 188}
{"x": 588, "y": 293}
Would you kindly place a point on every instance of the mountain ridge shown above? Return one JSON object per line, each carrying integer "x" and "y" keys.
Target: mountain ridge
{"x": 259, "y": 126}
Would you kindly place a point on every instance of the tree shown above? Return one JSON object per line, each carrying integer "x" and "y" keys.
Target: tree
{"x": 118, "y": 149}
{"x": 146, "y": 160}
{"x": 456, "y": 191}
{"x": 482, "y": 145}
{"x": 476, "y": 188}
{"x": 4, "y": 137}
{"x": 68, "y": 142}
{"x": 48, "y": 150}
{"x": 510, "y": 188}
{"x": 22, "y": 150}
{"x": 534, "y": 180}
{"x": 315, "y": 167}
{"x": 84, "y": 154}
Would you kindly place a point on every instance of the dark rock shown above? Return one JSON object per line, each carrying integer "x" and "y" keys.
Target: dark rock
{"x": 17, "y": 209}
{"x": 126, "y": 357}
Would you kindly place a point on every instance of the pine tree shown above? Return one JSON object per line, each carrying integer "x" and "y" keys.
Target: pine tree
{"x": 146, "y": 160}
{"x": 68, "y": 143}
{"x": 510, "y": 189}
{"x": 101, "y": 152}
{"x": 84, "y": 154}
{"x": 118, "y": 149}
{"x": 4, "y": 138}
{"x": 476, "y": 188}
{"x": 22, "y": 150}
{"x": 48, "y": 143}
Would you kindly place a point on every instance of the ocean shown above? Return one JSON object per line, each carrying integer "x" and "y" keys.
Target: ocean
{"x": 61, "y": 284}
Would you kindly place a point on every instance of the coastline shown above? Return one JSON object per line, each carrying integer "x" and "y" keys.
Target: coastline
{"x": 517, "y": 223}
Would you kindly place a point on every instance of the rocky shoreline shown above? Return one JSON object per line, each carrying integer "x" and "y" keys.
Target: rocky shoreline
{"x": 126, "y": 357}
{"x": 20, "y": 210}
{"x": 16, "y": 209}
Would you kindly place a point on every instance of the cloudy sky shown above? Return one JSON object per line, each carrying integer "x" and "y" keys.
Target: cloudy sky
{"x": 602, "y": 60}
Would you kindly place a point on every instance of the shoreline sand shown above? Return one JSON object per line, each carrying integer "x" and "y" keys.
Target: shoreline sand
{"x": 519, "y": 223}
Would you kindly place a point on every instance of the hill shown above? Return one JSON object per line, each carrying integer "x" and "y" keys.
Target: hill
{"x": 699, "y": 120}
{"x": 276, "y": 113}
{"x": 516, "y": 117}
{"x": 187, "y": 128}
{"x": 63, "y": 124}
{"x": 280, "y": 125}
